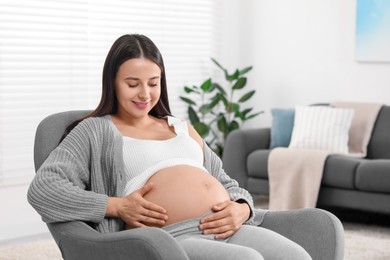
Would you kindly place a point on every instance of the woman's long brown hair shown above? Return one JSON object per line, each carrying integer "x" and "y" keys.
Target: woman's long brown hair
{"x": 127, "y": 47}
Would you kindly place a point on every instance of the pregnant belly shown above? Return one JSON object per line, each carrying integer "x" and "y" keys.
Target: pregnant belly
{"x": 185, "y": 192}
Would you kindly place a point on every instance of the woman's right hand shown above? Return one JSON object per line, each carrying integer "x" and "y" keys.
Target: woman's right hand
{"x": 136, "y": 211}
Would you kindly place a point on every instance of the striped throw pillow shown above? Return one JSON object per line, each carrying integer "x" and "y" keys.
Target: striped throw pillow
{"x": 322, "y": 128}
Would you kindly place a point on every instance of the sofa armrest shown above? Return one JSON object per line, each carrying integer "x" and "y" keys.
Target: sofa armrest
{"x": 239, "y": 144}
{"x": 319, "y": 232}
{"x": 77, "y": 240}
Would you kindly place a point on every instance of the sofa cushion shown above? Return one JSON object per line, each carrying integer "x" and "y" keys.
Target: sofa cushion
{"x": 282, "y": 126}
{"x": 321, "y": 127}
{"x": 373, "y": 176}
{"x": 339, "y": 171}
{"x": 257, "y": 164}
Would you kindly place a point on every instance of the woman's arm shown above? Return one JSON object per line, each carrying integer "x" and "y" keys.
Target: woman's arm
{"x": 59, "y": 190}
{"x": 228, "y": 216}
{"x": 214, "y": 165}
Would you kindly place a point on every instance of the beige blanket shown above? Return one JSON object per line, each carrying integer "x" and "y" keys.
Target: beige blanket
{"x": 295, "y": 174}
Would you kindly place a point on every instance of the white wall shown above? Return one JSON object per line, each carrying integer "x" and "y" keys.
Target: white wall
{"x": 303, "y": 53}
{"x": 18, "y": 219}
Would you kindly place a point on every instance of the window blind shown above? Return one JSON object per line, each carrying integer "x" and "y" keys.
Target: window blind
{"x": 52, "y": 53}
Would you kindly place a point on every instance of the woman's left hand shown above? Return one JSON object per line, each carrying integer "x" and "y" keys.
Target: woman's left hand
{"x": 227, "y": 218}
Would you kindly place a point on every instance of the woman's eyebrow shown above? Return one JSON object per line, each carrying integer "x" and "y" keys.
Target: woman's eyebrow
{"x": 131, "y": 78}
{"x": 134, "y": 78}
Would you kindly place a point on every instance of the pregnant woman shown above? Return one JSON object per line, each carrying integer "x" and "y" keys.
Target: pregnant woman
{"x": 130, "y": 164}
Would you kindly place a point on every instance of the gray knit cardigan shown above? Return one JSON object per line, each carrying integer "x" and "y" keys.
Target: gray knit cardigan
{"x": 77, "y": 178}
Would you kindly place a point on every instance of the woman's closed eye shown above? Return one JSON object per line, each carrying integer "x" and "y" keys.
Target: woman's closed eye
{"x": 136, "y": 85}
{"x": 132, "y": 83}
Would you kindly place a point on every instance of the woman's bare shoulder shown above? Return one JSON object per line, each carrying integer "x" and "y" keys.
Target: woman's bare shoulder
{"x": 194, "y": 134}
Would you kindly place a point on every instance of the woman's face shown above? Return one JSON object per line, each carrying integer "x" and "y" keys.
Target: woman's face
{"x": 137, "y": 85}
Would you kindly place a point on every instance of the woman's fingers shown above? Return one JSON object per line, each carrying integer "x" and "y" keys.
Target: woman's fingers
{"x": 153, "y": 207}
{"x": 226, "y": 220}
{"x": 140, "y": 212}
{"x": 145, "y": 189}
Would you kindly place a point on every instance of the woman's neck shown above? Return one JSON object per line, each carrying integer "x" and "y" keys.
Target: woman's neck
{"x": 137, "y": 122}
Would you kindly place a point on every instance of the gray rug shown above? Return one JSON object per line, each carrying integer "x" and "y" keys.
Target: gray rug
{"x": 366, "y": 242}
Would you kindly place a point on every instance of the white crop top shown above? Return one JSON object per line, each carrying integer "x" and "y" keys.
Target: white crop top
{"x": 143, "y": 158}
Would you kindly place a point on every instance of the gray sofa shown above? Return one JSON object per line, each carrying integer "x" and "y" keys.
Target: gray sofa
{"x": 347, "y": 183}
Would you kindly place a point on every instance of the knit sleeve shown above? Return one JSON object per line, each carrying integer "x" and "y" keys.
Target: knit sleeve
{"x": 214, "y": 165}
{"x": 59, "y": 191}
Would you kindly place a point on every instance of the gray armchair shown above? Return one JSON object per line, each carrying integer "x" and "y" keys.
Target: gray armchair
{"x": 318, "y": 231}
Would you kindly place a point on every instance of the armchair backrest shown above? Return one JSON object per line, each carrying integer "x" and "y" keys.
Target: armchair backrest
{"x": 49, "y": 133}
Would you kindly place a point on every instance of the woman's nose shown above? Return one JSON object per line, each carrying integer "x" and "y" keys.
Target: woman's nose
{"x": 144, "y": 92}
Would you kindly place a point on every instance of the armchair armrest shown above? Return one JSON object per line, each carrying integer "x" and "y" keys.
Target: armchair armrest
{"x": 77, "y": 240}
{"x": 239, "y": 144}
{"x": 319, "y": 232}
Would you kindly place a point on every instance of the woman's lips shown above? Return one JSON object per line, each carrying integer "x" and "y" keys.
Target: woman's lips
{"x": 141, "y": 105}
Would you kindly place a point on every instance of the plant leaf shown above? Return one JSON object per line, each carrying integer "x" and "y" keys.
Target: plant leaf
{"x": 222, "y": 68}
{"x": 188, "y": 90}
{"x": 220, "y": 89}
{"x": 222, "y": 124}
{"x": 254, "y": 115}
{"x": 247, "y": 96}
{"x": 240, "y": 83}
{"x": 233, "y": 126}
{"x": 215, "y": 100}
{"x": 218, "y": 64}
{"x": 193, "y": 116}
{"x": 235, "y": 107}
{"x": 245, "y": 70}
{"x": 240, "y": 115}
{"x": 224, "y": 99}
{"x": 234, "y": 76}
{"x": 207, "y": 85}
{"x": 246, "y": 111}
{"x": 205, "y": 109}
{"x": 188, "y": 101}
{"x": 202, "y": 129}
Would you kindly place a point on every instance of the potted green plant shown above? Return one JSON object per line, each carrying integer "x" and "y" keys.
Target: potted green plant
{"x": 215, "y": 110}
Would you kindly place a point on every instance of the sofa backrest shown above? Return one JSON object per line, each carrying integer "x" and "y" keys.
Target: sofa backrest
{"x": 379, "y": 145}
